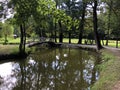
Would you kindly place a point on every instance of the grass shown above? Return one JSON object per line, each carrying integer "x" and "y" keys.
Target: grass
{"x": 8, "y": 49}
{"x": 109, "y": 72}
{"x": 66, "y": 40}
{"x": 10, "y": 40}
{"x": 111, "y": 43}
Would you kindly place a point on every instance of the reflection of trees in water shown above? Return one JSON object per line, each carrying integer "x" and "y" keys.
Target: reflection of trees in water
{"x": 76, "y": 71}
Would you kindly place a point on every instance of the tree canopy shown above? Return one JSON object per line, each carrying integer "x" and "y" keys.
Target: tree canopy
{"x": 64, "y": 18}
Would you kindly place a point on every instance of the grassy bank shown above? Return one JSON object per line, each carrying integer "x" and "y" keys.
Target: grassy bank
{"x": 109, "y": 71}
{"x": 11, "y": 52}
{"x": 11, "y": 49}
{"x": 8, "y": 49}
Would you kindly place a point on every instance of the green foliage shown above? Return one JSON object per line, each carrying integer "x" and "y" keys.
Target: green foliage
{"x": 44, "y": 14}
{"x": 24, "y": 9}
{"x": 7, "y": 29}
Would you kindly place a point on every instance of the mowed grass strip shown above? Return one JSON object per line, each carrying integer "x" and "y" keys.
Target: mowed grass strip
{"x": 111, "y": 43}
{"x": 10, "y": 40}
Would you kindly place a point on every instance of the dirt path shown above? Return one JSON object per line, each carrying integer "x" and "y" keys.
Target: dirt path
{"x": 117, "y": 86}
{"x": 115, "y": 51}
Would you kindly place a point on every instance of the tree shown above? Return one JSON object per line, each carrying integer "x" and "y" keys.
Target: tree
{"x": 81, "y": 26}
{"x": 24, "y": 9}
{"x": 95, "y": 22}
{"x": 108, "y": 6}
{"x": 7, "y": 30}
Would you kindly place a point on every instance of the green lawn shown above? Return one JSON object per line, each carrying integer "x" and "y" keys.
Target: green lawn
{"x": 8, "y": 49}
{"x": 10, "y": 40}
{"x": 111, "y": 43}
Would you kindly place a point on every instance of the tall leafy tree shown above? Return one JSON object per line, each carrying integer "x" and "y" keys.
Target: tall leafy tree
{"x": 7, "y": 30}
{"x": 113, "y": 17}
{"x": 24, "y": 9}
{"x": 109, "y": 20}
{"x": 82, "y": 21}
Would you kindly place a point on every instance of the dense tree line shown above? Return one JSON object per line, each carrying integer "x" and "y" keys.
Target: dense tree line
{"x": 89, "y": 19}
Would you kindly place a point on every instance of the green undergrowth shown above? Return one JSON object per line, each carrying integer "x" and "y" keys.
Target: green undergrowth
{"x": 109, "y": 71}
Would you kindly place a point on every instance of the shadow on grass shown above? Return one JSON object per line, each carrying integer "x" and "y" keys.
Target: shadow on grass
{"x": 13, "y": 56}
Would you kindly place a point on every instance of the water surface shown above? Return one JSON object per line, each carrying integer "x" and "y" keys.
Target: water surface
{"x": 51, "y": 69}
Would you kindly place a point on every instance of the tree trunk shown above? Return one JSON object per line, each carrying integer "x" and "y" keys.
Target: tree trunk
{"x": 22, "y": 39}
{"x": 69, "y": 36}
{"x": 81, "y": 26}
{"x": 102, "y": 41}
{"x": 55, "y": 36}
{"x": 6, "y": 39}
{"x": 60, "y": 33}
{"x": 117, "y": 42}
{"x": 61, "y": 37}
{"x": 97, "y": 39}
{"x": 109, "y": 16}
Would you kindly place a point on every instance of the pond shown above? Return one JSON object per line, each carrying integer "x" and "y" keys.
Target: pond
{"x": 51, "y": 69}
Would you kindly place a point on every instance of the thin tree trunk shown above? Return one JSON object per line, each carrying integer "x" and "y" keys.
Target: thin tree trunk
{"x": 6, "y": 39}
{"x": 97, "y": 39}
{"x": 24, "y": 41}
{"x": 102, "y": 41}
{"x": 117, "y": 42}
{"x": 61, "y": 32}
{"x": 55, "y": 33}
{"x": 109, "y": 16}
{"x": 61, "y": 37}
{"x": 69, "y": 36}
{"x": 55, "y": 36}
{"x": 21, "y": 40}
{"x": 81, "y": 26}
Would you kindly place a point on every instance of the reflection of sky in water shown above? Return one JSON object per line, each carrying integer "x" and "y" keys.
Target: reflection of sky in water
{"x": 31, "y": 61}
{"x": 8, "y": 81}
{"x": 5, "y": 69}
